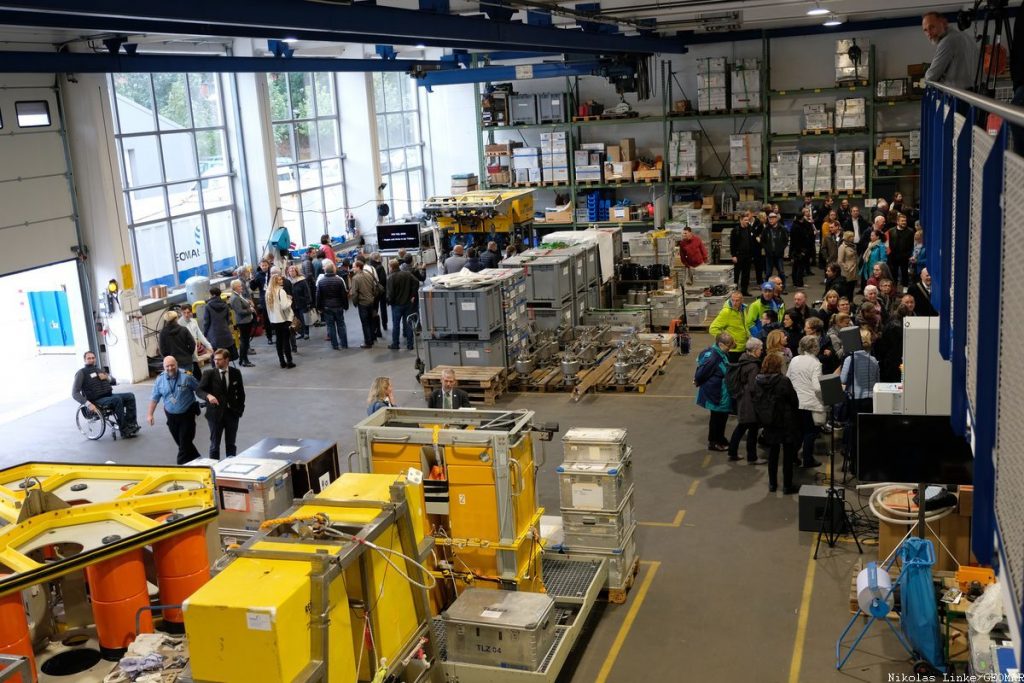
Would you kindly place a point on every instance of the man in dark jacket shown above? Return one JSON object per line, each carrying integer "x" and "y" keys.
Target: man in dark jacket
{"x": 177, "y": 341}
{"x": 889, "y": 347}
{"x": 901, "y": 247}
{"x": 860, "y": 228}
{"x": 922, "y": 293}
{"x": 332, "y": 302}
{"x": 448, "y": 397}
{"x": 473, "y": 263}
{"x": 222, "y": 388}
{"x": 490, "y": 258}
{"x": 741, "y": 246}
{"x": 217, "y": 323}
{"x": 740, "y": 380}
{"x": 774, "y": 394}
{"x": 382, "y": 278}
{"x": 258, "y": 284}
{"x": 401, "y": 295}
{"x": 801, "y": 247}
{"x": 774, "y": 240}
{"x": 92, "y": 389}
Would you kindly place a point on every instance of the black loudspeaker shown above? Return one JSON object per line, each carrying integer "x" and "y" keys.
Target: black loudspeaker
{"x": 850, "y": 337}
{"x": 812, "y": 509}
{"x": 832, "y": 390}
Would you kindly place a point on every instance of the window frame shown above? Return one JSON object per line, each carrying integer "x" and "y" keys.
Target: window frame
{"x": 295, "y": 167}
{"x": 46, "y": 107}
{"x": 381, "y": 112}
{"x": 199, "y": 181}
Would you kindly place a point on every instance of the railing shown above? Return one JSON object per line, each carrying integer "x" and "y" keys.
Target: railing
{"x": 972, "y": 210}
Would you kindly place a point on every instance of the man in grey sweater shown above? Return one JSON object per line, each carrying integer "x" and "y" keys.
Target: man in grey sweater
{"x": 956, "y": 53}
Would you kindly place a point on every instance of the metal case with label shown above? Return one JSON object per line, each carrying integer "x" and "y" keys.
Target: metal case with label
{"x": 505, "y": 629}
{"x": 487, "y": 352}
{"x": 314, "y": 462}
{"x": 523, "y": 109}
{"x": 620, "y": 560}
{"x": 251, "y": 491}
{"x": 596, "y": 529}
{"x": 594, "y": 486}
{"x": 594, "y": 444}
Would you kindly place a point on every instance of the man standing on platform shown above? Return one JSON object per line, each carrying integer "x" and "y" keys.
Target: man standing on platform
{"x": 956, "y": 54}
{"x": 222, "y": 388}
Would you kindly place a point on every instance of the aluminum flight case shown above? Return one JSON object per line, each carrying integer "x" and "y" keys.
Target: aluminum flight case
{"x": 504, "y": 629}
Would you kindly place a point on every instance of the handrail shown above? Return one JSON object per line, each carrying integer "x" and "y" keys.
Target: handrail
{"x": 1010, "y": 113}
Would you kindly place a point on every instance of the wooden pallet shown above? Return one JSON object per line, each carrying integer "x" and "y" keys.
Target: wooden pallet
{"x": 748, "y": 176}
{"x": 617, "y": 596}
{"x": 544, "y": 183}
{"x": 818, "y": 131}
{"x": 851, "y": 129}
{"x": 484, "y": 384}
{"x": 602, "y": 377}
{"x": 891, "y": 163}
{"x": 852, "y": 83}
{"x": 818, "y": 195}
{"x": 605, "y": 117}
{"x": 787, "y": 195}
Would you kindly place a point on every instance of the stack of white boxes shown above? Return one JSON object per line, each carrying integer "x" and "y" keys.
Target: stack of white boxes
{"x": 784, "y": 172}
{"x": 851, "y": 171}
{"x": 914, "y": 146}
{"x": 851, "y": 113}
{"x": 712, "y": 84}
{"x": 817, "y": 172}
{"x": 745, "y": 154}
{"x": 745, "y": 82}
{"x": 817, "y": 117}
{"x": 554, "y": 157}
{"x": 684, "y": 154}
{"x": 589, "y": 162}
{"x": 846, "y": 68}
{"x": 526, "y": 165}
{"x": 596, "y": 491}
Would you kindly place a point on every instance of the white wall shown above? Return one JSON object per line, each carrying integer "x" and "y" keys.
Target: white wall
{"x": 359, "y": 143}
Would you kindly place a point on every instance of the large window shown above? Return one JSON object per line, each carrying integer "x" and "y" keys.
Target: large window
{"x": 398, "y": 136}
{"x": 310, "y": 178}
{"x": 176, "y": 171}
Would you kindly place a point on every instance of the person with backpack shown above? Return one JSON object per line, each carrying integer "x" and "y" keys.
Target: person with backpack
{"x": 775, "y": 405}
{"x": 712, "y": 394}
{"x": 739, "y": 380}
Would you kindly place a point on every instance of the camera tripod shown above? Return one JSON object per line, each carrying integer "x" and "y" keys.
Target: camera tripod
{"x": 833, "y": 523}
{"x": 995, "y": 33}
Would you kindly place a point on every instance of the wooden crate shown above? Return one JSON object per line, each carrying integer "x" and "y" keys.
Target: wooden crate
{"x": 484, "y": 384}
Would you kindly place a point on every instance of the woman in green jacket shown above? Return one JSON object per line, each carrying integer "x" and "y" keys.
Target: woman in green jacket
{"x": 732, "y": 319}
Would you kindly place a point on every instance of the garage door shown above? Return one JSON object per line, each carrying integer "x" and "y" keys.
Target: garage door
{"x": 37, "y": 223}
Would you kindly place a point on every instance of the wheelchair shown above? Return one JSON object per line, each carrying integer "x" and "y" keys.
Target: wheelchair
{"x": 94, "y": 425}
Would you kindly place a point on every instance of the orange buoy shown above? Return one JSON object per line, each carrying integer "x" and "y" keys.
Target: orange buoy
{"x": 14, "y": 633}
{"x": 117, "y": 588}
{"x": 182, "y": 567}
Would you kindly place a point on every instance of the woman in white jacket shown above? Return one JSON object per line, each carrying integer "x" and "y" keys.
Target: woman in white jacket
{"x": 280, "y": 314}
{"x": 805, "y": 374}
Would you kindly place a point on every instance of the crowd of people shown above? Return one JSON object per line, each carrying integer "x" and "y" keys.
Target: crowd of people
{"x": 769, "y": 356}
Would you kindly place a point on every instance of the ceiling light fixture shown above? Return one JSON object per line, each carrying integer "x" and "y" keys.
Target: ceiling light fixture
{"x": 420, "y": 46}
{"x": 833, "y": 20}
{"x": 817, "y": 10}
{"x": 289, "y": 40}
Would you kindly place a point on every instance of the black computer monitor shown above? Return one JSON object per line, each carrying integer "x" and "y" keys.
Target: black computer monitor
{"x": 915, "y": 449}
{"x": 395, "y": 236}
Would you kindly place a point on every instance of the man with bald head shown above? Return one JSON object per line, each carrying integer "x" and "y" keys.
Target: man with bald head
{"x": 956, "y": 53}
{"x": 177, "y": 389}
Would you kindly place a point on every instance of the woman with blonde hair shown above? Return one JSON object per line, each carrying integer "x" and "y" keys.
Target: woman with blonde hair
{"x": 280, "y": 314}
{"x": 776, "y": 343}
{"x": 382, "y": 395}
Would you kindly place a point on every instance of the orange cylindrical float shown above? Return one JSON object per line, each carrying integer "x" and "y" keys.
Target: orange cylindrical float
{"x": 14, "y": 633}
{"x": 182, "y": 567}
{"x": 117, "y": 588}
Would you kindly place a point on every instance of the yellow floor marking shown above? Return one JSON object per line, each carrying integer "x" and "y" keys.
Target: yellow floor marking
{"x": 707, "y": 460}
{"x": 693, "y": 487}
{"x": 675, "y": 523}
{"x": 801, "y": 624}
{"x": 627, "y": 624}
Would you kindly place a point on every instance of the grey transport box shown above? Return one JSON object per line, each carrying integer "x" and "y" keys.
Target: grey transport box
{"x": 506, "y": 629}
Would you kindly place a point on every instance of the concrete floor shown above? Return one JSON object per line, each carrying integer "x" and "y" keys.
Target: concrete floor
{"x": 730, "y": 594}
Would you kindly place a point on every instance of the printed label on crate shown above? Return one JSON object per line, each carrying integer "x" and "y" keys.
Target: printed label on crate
{"x": 324, "y": 480}
{"x": 257, "y": 621}
{"x": 232, "y": 500}
{"x": 472, "y": 354}
{"x": 468, "y": 305}
{"x": 524, "y": 71}
{"x": 587, "y": 496}
{"x": 492, "y": 613}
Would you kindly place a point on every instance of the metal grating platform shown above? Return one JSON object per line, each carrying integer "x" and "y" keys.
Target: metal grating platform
{"x": 1009, "y": 461}
{"x": 981, "y": 147}
{"x": 567, "y": 578}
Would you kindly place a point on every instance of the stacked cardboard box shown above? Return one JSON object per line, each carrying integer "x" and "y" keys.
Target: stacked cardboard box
{"x": 914, "y": 145}
{"x": 712, "y": 84}
{"x": 596, "y": 495}
{"x": 784, "y": 173}
{"x": 526, "y": 165}
{"x": 890, "y": 151}
{"x": 891, "y": 87}
{"x": 589, "y": 162}
{"x": 851, "y": 113}
{"x": 499, "y": 163}
{"x": 846, "y": 68}
{"x": 684, "y": 154}
{"x": 851, "y": 171}
{"x": 745, "y": 82}
{"x": 464, "y": 182}
{"x": 745, "y": 154}
{"x": 817, "y": 117}
{"x": 554, "y": 157}
{"x": 817, "y": 172}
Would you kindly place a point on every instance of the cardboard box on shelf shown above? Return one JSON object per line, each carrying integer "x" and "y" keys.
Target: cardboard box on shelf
{"x": 708, "y": 203}
{"x": 588, "y": 173}
{"x": 502, "y": 148}
{"x": 682, "y": 106}
{"x": 647, "y": 174}
{"x": 596, "y": 158}
{"x": 917, "y": 70}
{"x": 815, "y": 108}
{"x": 614, "y": 153}
{"x": 890, "y": 150}
{"x": 560, "y": 214}
{"x": 821, "y": 121}
{"x": 581, "y": 157}
{"x": 620, "y": 213}
{"x": 553, "y": 136}
{"x": 499, "y": 178}
{"x": 627, "y": 147}
{"x": 965, "y": 498}
{"x": 891, "y": 87}
{"x": 593, "y": 146}
{"x": 711, "y": 65}
{"x": 619, "y": 170}
{"x": 534, "y": 175}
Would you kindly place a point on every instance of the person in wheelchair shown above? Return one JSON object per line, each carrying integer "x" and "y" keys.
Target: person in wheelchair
{"x": 92, "y": 389}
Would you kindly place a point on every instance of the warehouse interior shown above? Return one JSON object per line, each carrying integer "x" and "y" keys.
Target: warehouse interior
{"x": 520, "y": 186}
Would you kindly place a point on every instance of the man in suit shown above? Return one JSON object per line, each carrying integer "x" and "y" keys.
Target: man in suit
{"x": 224, "y": 392}
{"x": 860, "y": 228}
{"x": 448, "y": 397}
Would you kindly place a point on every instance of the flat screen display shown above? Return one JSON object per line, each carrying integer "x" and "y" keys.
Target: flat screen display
{"x": 914, "y": 449}
{"x": 395, "y": 236}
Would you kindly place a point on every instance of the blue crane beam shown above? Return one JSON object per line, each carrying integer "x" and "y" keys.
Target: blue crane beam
{"x": 486, "y": 74}
{"x": 385, "y": 24}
